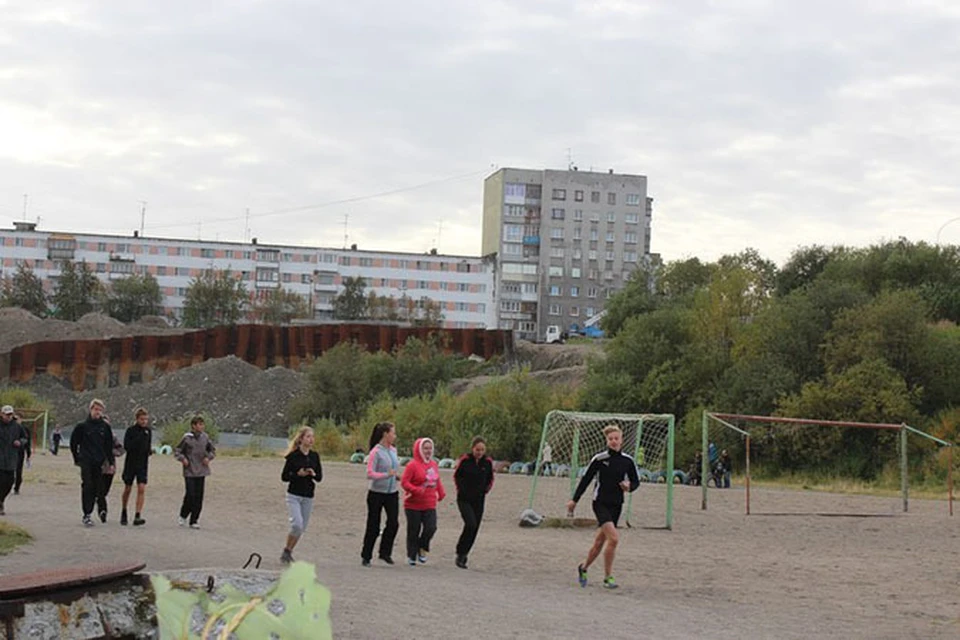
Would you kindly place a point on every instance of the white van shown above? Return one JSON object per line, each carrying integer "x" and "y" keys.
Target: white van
{"x": 553, "y": 334}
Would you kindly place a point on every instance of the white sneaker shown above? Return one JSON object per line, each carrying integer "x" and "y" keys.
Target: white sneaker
{"x": 181, "y": 521}
{"x": 194, "y": 525}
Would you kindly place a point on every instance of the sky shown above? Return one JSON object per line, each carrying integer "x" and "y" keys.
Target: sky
{"x": 764, "y": 124}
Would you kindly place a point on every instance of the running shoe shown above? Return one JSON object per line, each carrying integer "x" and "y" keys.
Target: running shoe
{"x": 610, "y": 583}
{"x": 412, "y": 562}
{"x": 365, "y": 563}
{"x": 422, "y": 557}
{"x": 103, "y": 516}
{"x": 286, "y": 557}
{"x": 387, "y": 559}
{"x": 138, "y": 521}
{"x": 181, "y": 522}
{"x": 123, "y": 517}
{"x": 461, "y": 562}
{"x": 194, "y": 525}
{"x": 87, "y": 521}
{"x": 581, "y": 575}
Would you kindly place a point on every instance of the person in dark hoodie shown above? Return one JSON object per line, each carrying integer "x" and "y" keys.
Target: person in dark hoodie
{"x": 91, "y": 444}
{"x": 194, "y": 452}
{"x": 11, "y": 441}
{"x": 616, "y": 474}
{"x": 474, "y": 479}
{"x": 422, "y": 490}
{"x": 302, "y": 472}
{"x": 137, "y": 442}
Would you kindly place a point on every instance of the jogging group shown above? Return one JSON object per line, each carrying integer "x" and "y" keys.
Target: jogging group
{"x": 96, "y": 451}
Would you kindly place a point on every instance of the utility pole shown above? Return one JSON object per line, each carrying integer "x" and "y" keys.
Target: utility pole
{"x": 25, "y": 197}
{"x": 346, "y": 220}
{"x": 143, "y": 215}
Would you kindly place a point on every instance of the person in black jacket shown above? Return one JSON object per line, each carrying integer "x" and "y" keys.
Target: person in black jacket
{"x": 302, "y": 471}
{"x": 91, "y": 444}
{"x": 11, "y": 441}
{"x": 616, "y": 474}
{"x": 474, "y": 479}
{"x": 137, "y": 441}
{"x": 25, "y": 453}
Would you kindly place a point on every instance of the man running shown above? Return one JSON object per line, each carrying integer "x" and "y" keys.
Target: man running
{"x": 616, "y": 474}
{"x": 91, "y": 444}
{"x": 137, "y": 441}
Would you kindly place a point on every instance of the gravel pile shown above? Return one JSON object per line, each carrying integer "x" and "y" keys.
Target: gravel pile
{"x": 240, "y": 397}
{"x": 19, "y": 327}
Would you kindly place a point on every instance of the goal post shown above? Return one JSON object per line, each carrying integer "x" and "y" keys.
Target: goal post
{"x": 726, "y": 420}
{"x": 570, "y": 439}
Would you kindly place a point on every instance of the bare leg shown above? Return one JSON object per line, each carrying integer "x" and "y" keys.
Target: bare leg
{"x": 125, "y": 498}
{"x": 613, "y": 538}
{"x": 292, "y": 541}
{"x": 594, "y": 552}
{"x": 141, "y": 495}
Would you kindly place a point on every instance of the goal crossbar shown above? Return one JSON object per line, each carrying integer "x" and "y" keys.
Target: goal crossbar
{"x": 726, "y": 419}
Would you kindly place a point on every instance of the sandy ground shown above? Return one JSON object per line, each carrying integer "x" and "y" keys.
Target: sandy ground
{"x": 718, "y": 574}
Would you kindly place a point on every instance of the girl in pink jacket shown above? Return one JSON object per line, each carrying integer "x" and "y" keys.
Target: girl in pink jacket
{"x": 422, "y": 489}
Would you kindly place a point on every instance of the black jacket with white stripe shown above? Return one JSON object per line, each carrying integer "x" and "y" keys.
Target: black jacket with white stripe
{"x": 610, "y": 468}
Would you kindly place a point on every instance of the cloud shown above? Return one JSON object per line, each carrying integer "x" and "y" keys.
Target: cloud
{"x": 758, "y": 123}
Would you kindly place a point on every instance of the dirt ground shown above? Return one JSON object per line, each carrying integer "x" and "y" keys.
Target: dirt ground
{"x": 718, "y": 574}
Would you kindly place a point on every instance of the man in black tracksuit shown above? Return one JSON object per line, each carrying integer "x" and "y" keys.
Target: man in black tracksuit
{"x": 474, "y": 479}
{"x": 91, "y": 444}
{"x": 616, "y": 474}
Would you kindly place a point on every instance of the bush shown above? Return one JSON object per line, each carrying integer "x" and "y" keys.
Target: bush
{"x": 22, "y": 398}
{"x": 172, "y": 432}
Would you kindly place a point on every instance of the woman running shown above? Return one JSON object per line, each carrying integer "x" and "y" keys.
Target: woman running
{"x": 382, "y": 470}
{"x": 302, "y": 471}
{"x": 422, "y": 490}
{"x": 474, "y": 479}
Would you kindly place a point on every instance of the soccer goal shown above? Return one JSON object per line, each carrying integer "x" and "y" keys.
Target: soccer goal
{"x": 729, "y": 422}
{"x": 571, "y": 439}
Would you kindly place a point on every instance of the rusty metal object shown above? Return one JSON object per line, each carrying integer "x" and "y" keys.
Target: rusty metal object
{"x": 24, "y": 585}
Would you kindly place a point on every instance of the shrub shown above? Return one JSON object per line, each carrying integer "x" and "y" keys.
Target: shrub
{"x": 22, "y": 398}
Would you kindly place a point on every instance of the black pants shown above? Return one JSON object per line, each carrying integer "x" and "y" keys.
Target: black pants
{"x": 377, "y": 502}
{"x": 472, "y": 513}
{"x": 421, "y": 525}
{"x": 192, "y": 498}
{"x": 106, "y": 481}
{"x": 91, "y": 486}
{"x": 18, "y": 480}
{"x": 56, "y": 446}
{"x": 6, "y": 484}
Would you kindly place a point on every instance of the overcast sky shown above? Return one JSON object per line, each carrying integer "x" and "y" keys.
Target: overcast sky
{"x": 769, "y": 124}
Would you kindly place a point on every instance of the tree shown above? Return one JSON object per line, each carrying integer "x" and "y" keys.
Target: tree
{"x": 214, "y": 298}
{"x": 25, "y": 290}
{"x": 351, "y": 303}
{"x": 429, "y": 313}
{"x": 77, "y": 291}
{"x": 280, "y": 306}
{"x": 636, "y": 298}
{"x": 803, "y": 267}
{"x": 133, "y": 297}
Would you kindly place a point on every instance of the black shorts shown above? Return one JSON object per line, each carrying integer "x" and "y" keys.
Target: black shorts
{"x": 607, "y": 513}
{"x": 139, "y": 474}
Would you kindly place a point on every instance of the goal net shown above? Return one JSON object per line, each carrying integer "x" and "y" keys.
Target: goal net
{"x": 571, "y": 439}
{"x": 893, "y": 446}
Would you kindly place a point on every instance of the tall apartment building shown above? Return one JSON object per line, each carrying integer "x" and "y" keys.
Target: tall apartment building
{"x": 462, "y": 285}
{"x": 566, "y": 241}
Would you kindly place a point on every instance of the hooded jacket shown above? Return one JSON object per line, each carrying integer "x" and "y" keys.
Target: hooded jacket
{"x": 474, "y": 478}
{"x": 195, "y": 447}
{"x": 421, "y": 483}
{"x": 91, "y": 443}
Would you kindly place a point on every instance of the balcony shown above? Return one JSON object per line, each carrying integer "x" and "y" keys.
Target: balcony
{"x": 531, "y": 240}
{"x": 121, "y": 257}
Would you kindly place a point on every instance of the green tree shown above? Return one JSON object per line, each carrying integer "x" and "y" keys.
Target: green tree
{"x": 351, "y": 303}
{"x": 681, "y": 278}
{"x": 636, "y": 298}
{"x": 25, "y": 290}
{"x": 279, "y": 306}
{"x": 804, "y": 266}
{"x": 429, "y": 313}
{"x": 214, "y": 298}
{"x": 77, "y": 291}
{"x": 133, "y": 297}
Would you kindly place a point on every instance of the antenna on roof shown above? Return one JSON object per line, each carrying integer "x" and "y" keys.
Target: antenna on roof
{"x": 346, "y": 220}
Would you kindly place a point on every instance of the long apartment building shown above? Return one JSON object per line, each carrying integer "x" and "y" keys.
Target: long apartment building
{"x": 463, "y": 286}
{"x": 566, "y": 241}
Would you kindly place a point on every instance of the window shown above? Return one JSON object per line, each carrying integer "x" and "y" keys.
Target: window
{"x": 421, "y": 284}
{"x": 556, "y": 272}
{"x": 444, "y": 266}
{"x": 594, "y": 217}
{"x": 481, "y": 307}
{"x": 578, "y": 196}
{"x": 181, "y": 271}
{"x": 592, "y": 293}
{"x": 510, "y": 249}
{"x": 305, "y": 278}
{"x": 512, "y": 189}
{"x": 611, "y": 236}
{"x": 575, "y": 272}
{"x": 161, "y": 271}
{"x": 556, "y": 233}
{"x": 463, "y": 286}
{"x": 288, "y": 257}
{"x": 513, "y": 210}
{"x": 577, "y": 254}
{"x": 630, "y": 237}
{"x": 611, "y": 216}
{"x": 181, "y": 291}
{"x": 288, "y": 277}
{"x": 578, "y": 214}
{"x": 366, "y": 262}
{"x": 402, "y": 264}
{"x": 325, "y": 278}
{"x": 459, "y": 306}
{"x": 629, "y": 256}
{"x": 555, "y": 290}
{"x": 101, "y": 246}
{"x": 631, "y": 218}
{"x": 511, "y": 287}
{"x": 345, "y": 261}
{"x": 555, "y": 310}
{"x": 633, "y": 199}
{"x": 592, "y": 255}
{"x": 463, "y": 267}
{"x": 609, "y": 255}
{"x": 559, "y": 194}
{"x": 595, "y": 196}
{"x": 512, "y": 233}
{"x": 575, "y": 311}
{"x": 556, "y": 252}
{"x": 510, "y": 305}
{"x": 611, "y": 198}
{"x": 594, "y": 234}
{"x": 327, "y": 258}
{"x": 594, "y": 274}
{"x": 574, "y": 292}
{"x": 608, "y": 275}
{"x": 577, "y": 233}
{"x": 557, "y": 214}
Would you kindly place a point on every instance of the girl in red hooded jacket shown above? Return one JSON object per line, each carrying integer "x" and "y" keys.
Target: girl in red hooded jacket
{"x": 421, "y": 491}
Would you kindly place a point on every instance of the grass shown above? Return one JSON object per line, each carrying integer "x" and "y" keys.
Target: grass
{"x": 11, "y": 537}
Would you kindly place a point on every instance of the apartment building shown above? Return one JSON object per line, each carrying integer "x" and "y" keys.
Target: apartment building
{"x": 566, "y": 241}
{"x": 463, "y": 286}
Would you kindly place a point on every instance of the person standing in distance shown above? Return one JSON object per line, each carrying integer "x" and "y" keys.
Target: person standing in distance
{"x": 194, "y": 452}
{"x": 302, "y": 472}
{"x": 474, "y": 479}
{"x": 91, "y": 444}
{"x": 57, "y": 437}
{"x": 11, "y": 440}
{"x": 137, "y": 440}
{"x": 616, "y": 474}
{"x": 383, "y": 468}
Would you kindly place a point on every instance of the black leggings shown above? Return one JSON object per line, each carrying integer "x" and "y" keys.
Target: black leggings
{"x": 192, "y": 498}
{"x": 472, "y": 514}
{"x": 421, "y": 525}
{"x": 377, "y": 502}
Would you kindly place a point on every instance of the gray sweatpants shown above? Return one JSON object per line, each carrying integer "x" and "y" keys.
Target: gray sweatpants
{"x": 299, "y": 509}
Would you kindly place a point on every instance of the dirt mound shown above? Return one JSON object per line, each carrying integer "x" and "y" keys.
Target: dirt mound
{"x": 19, "y": 327}
{"x": 240, "y": 397}
{"x": 542, "y": 357}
